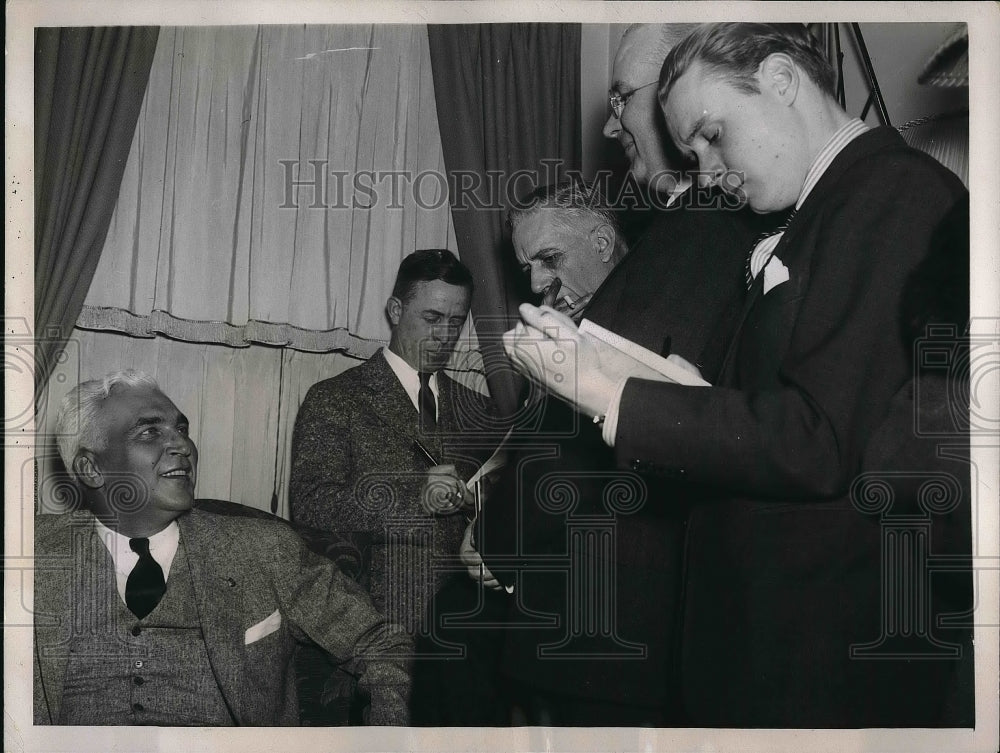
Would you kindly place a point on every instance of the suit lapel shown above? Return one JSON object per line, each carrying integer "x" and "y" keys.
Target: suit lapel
{"x": 386, "y": 395}
{"x": 755, "y": 292}
{"x": 54, "y": 569}
{"x": 389, "y": 402}
{"x": 68, "y": 555}
{"x": 867, "y": 143}
{"x": 218, "y": 598}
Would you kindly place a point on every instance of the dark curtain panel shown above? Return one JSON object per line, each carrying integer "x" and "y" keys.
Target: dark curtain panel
{"x": 508, "y": 97}
{"x": 89, "y": 87}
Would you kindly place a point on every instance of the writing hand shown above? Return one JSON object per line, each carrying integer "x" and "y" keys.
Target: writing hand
{"x": 547, "y": 347}
{"x": 473, "y": 561}
{"x": 443, "y": 492}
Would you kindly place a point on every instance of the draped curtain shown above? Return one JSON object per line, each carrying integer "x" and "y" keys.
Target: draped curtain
{"x": 508, "y": 96}
{"x": 89, "y": 85}
{"x": 251, "y": 215}
{"x": 259, "y": 203}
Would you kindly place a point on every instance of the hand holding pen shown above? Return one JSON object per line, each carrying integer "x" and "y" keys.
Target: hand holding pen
{"x": 473, "y": 561}
{"x": 444, "y": 491}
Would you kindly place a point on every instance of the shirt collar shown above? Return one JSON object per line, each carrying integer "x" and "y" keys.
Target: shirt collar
{"x": 407, "y": 376}
{"x": 840, "y": 139}
{"x": 162, "y": 546}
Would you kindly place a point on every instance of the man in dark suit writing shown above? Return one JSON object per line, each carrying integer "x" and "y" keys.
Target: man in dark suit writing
{"x": 151, "y": 612}
{"x": 783, "y": 580}
{"x": 681, "y": 282}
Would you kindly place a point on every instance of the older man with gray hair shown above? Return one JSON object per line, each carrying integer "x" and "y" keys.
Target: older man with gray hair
{"x": 154, "y": 612}
{"x": 635, "y": 120}
{"x": 567, "y": 240}
{"x": 686, "y": 269}
{"x": 787, "y": 615}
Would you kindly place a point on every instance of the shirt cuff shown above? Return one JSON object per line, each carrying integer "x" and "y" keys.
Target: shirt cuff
{"x": 610, "y": 430}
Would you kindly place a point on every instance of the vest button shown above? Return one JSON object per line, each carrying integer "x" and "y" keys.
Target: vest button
{"x": 138, "y": 681}
{"x": 136, "y": 630}
{"x": 138, "y": 707}
{"x": 138, "y": 664}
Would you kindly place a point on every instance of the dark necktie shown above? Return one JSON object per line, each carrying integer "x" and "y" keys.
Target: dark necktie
{"x": 425, "y": 399}
{"x": 760, "y": 239}
{"x": 145, "y": 585}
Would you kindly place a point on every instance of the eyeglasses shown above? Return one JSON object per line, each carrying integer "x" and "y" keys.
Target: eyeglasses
{"x": 618, "y": 101}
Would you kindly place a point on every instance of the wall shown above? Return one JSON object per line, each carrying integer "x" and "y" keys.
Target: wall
{"x": 899, "y": 52}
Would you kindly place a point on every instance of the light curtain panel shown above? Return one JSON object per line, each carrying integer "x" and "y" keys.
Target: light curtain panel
{"x": 241, "y": 403}
{"x": 233, "y": 300}
{"x": 212, "y": 240}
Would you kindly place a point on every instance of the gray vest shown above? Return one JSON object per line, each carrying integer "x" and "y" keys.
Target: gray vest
{"x": 125, "y": 671}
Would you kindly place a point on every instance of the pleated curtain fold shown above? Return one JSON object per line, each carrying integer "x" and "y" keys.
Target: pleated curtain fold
{"x": 269, "y": 195}
{"x": 89, "y": 86}
{"x": 508, "y": 99}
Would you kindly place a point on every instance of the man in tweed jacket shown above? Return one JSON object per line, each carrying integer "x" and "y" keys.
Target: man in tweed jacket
{"x": 208, "y": 638}
{"x": 366, "y": 460}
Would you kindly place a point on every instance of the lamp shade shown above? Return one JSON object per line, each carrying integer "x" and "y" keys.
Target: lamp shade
{"x": 949, "y": 65}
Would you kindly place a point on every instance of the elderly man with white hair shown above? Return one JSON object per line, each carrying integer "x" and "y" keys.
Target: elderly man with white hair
{"x": 154, "y": 612}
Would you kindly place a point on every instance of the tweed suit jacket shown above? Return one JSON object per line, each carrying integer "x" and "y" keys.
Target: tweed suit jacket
{"x": 243, "y": 571}
{"x": 783, "y": 575}
{"x": 355, "y": 468}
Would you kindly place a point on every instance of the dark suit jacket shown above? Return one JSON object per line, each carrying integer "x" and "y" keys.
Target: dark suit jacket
{"x": 683, "y": 280}
{"x": 243, "y": 570}
{"x": 783, "y": 571}
{"x": 355, "y": 469}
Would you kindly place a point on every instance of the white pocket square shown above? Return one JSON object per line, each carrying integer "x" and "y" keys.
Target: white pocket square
{"x": 775, "y": 273}
{"x": 263, "y": 628}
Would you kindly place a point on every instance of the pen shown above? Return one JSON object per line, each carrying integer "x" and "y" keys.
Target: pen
{"x": 665, "y": 350}
{"x": 423, "y": 451}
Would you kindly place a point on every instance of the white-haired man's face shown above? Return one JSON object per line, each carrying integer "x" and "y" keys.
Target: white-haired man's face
{"x": 640, "y": 130}
{"x": 551, "y": 244}
{"x": 144, "y": 475}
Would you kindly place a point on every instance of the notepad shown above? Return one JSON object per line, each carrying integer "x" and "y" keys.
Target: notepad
{"x": 646, "y": 357}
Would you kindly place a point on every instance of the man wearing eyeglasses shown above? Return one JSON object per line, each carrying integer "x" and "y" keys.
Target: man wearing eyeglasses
{"x": 790, "y": 612}
{"x": 682, "y": 284}
{"x": 635, "y": 119}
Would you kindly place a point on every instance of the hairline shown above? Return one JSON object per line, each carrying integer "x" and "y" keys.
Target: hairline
{"x": 78, "y": 424}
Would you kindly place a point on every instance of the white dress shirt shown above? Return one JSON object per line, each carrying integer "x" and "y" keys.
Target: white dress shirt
{"x": 162, "y": 547}
{"x": 408, "y": 377}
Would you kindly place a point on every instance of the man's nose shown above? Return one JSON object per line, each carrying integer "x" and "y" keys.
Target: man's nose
{"x": 443, "y": 333}
{"x": 612, "y": 127}
{"x": 710, "y": 172}
{"x": 540, "y": 281}
{"x": 180, "y": 444}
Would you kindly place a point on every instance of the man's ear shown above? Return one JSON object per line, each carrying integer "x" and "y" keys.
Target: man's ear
{"x": 780, "y": 75}
{"x": 393, "y": 310}
{"x": 603, "y": 237}
{"x": 86, "y": 469}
